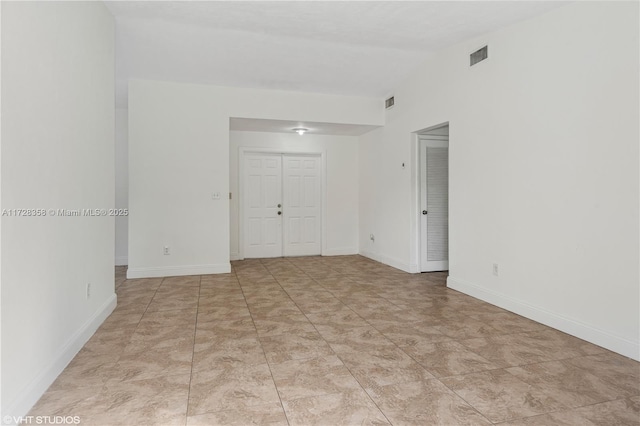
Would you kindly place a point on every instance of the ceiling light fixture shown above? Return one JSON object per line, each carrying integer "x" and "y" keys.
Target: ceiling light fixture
{"x": 300, "y": 130}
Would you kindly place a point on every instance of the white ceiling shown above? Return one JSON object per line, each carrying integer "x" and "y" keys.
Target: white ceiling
{"x": 287, "y": 126}
{"x": 340, "y": 47}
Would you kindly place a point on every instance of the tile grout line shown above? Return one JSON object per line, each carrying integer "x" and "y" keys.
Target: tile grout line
{"x": 398, "y": 347}
{"x": 564, "y": 349}
{"x": 262, "y": 347}
{"x": 340, "y": 358}
{"x": 138, "y": 323}
{"x": 414, "y": 360}
{"x": 195, "y": 329}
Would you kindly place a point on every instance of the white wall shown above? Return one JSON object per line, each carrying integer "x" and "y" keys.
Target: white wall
{"x": 179, "y": 156}
{"x": 57, "y": 153}
{"x": 122, "y": 184}
{"x": 543, "y": 170}
{"x": 340, "y": 235}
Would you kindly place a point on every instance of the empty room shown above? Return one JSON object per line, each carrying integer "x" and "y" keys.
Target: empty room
{"x": 320, "y": 213}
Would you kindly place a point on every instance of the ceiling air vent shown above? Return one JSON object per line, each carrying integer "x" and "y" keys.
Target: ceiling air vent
{"x": 389, "y": 103}
{"x": 479, "y": 55}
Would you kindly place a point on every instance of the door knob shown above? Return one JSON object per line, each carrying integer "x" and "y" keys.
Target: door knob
{"x": 424, "y": 212}
{"x": 279, "y": 205}
{"x": 279, "y": 213}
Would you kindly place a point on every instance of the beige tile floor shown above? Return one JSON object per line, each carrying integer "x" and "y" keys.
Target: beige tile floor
{"x": 332, "y": 341}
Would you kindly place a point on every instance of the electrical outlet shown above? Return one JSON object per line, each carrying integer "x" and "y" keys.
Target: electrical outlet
{"x": 88, "y": 290}
{"x": 495, "y": 270}
{"x": 166, "y": 251}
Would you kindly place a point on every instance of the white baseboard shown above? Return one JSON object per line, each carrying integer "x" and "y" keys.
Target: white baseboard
{"x": 27, "y": 398}
{"x": 343, "y": 251}
{"x": 122, "y": 260}
{"x": 346, "y": 251}
{"x": 174, "y": 271}
{"x": 568, "y": 325}
{"x": 395, "y": 263}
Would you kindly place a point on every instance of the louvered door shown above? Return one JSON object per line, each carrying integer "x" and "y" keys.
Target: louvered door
{"x": 434, "y": 185}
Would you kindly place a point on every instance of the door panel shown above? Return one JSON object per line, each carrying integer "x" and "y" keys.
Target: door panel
{"x": 434, "y": 200}
{"x": 302, "y": 232}
{"x": 310, "y": 183}
{"x": 310, "y": 226}
{"x": 437, "y": 204}
{"x": 293, "y": 192}
{"x": 262, "y": 194}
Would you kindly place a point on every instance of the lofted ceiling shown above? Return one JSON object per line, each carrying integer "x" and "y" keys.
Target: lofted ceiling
{"x": 339, "y": 47}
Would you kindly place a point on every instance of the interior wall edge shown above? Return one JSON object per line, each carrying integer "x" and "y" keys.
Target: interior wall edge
{"x": 562, "y": 323}
{"x": 32, "y": 392}
{"x": 340, "y": 251}
{"x": 387, "y": 260}
{"x": 175, "y": 271}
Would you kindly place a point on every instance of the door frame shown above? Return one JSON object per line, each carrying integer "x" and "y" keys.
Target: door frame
{"x": 243, "y": 151}
{"x": 416, "y": 216}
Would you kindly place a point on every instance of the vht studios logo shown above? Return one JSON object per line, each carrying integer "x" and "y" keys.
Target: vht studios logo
{"x": 41, "y": 420}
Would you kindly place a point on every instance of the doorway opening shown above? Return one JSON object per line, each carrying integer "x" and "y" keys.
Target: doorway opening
{"x": 433, "y": 189}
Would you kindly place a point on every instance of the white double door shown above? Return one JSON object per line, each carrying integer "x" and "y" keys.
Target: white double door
{"x": 282, "y": 205}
